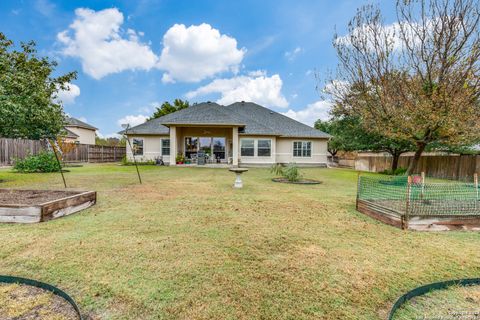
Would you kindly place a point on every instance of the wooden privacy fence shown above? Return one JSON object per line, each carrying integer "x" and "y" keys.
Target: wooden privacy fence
{"x": 459, "y": 167}
{"x": 11, "y": 149}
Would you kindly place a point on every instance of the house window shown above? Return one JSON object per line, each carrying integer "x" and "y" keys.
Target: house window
{"x": 302, "y": 149}
{"x": 165, "y": 147}
{"x": 247, "y": 147}
{"x": 264, "y": 148}
{"x": 137, "y": 145}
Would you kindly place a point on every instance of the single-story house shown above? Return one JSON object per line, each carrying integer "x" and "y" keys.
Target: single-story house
{"x": 79, "y": 131}
{"x": 242, "y": 133}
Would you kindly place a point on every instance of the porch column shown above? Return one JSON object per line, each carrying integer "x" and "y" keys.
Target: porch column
{"x": 173, "y": 145}
{"x": 235, "y": 146}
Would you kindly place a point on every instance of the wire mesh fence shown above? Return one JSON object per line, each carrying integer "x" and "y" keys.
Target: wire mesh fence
{"x": 421, "y": 196}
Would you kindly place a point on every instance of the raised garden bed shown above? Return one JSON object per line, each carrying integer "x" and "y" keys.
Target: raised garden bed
{"x": 31, "y": 206}
{"x": 301, "y": 181}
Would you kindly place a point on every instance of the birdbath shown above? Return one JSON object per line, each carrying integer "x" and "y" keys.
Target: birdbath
{"x": 238, "y": 181}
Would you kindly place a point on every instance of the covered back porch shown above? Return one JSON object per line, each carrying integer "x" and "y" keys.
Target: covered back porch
{"x": 209, "y": 145}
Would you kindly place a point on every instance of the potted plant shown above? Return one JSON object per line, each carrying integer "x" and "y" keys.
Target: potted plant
{"x": 180, "y": 158}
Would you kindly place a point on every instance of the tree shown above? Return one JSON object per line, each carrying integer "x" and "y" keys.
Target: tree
{"x": 28, "y": 93}
{"x": 167, "y": 108}
{"x": 349, "y": 135}
{"x": 416, "y": 80}
{"x": 110, "y": 141}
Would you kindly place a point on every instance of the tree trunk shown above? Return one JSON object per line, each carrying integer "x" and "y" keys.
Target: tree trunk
{"x": 420, "y": 148}
{"x": 396, "y": 157}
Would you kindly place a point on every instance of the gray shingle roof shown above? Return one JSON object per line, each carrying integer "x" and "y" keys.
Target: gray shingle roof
{"x": 74, "y": 122}
{"x": 70, "y": 134}
{"x": 255, "y": 119}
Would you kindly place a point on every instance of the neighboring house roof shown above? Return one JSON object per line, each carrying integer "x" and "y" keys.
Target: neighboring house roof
{"x": 70, "y": 134}
{"x": 74, "y": 122}
{"x": 254, "y": 119}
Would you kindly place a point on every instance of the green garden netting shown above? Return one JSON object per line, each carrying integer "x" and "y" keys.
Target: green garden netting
{"x": 434, "y": 197}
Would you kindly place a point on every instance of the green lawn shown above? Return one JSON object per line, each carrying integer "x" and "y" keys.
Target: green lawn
{"x": 186, "y": 245}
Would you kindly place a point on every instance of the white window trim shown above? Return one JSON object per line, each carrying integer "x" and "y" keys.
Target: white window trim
{"x": 254, "y": 148}
{"x": 302, "y": 157}
{"x": 143, "y": 147}
{"x": 161, "y": 147}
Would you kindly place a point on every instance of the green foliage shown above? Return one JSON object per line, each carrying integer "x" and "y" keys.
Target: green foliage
{"x": 111, "y": 142}
{"x": 126, "y": 162}
{"x": 28, "y": 93}
{"x": 292, "y": 173}
{"x": 167, "y": 107}
{"x": 180, "y": 158}
{"x": 396, "y": 172}
{"x": 43, "y": 162}
{"x": 277, "y": 169}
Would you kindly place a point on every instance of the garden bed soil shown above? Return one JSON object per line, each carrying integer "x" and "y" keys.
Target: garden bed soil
{"x": 29, "y": 206}
{"x": 301, "y": 181}
{"x": 24, "y": 302}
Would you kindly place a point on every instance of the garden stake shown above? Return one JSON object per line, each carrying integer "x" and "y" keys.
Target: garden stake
{"x": 475, "y": 181}
{"x": 58, "y": 161}
{"x": 133, "y": 155}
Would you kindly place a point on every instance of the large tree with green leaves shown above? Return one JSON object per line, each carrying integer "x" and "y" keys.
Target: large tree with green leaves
{"x": 28, "y": 93}
{"x": 348, "y": 134}
{"x": 167, "y": 107}
{"x": 417, "y": 79}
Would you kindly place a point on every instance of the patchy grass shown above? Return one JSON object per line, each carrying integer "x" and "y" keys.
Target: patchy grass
{"x": 26, "y": 302}
{"x": 186, "y": 245}
{"x": 452, "y": 303}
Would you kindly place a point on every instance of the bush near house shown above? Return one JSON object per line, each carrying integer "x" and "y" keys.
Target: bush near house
{"x": 43, "y": 162}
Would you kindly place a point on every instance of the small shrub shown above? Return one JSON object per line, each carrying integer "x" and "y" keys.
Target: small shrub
{"x": 396, "y": 172}
{"x": 292, "y": 173}
{"x": 43, "y": 162}
{"x": 126, "y": 162}
{"x": 277, "y": 169}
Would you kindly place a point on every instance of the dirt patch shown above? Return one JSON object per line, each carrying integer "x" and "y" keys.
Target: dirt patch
{"x": 32, "y": 197}
{"x": 301, "y": 181}
{"x": 22, "y": 302}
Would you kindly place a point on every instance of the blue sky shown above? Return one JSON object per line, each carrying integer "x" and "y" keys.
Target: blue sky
{"x": 133, "y": 55}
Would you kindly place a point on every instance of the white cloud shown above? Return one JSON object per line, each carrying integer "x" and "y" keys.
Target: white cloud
{"x": 83, "y": 119}
{"x": 68, "y": 96}
{"x": 256, "y": 87}
{"x": 132, "y": 120}
{"x": 197, "y": 52}
{"x": 95, "y": 37}
{"x": 108, "y": 135}
{"x": 313, "y": 112}
{"x": 292, "y": 55}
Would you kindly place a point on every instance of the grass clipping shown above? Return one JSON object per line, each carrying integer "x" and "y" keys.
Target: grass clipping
{"x": 22, "y": 302}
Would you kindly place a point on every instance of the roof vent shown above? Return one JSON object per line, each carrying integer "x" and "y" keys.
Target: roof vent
{"x": 243, "y": 102}
{"x": 271, "y": 112}
{"x": 209, "y": 102}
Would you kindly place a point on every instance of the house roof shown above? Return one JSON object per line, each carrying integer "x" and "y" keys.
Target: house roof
{"x": 253, "y": 118}
{"x": 74, "y": 122}
{"x": 70, "y": 134}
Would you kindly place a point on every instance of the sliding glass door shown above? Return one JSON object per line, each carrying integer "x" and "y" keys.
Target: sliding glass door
{"x": 214, "y": 148}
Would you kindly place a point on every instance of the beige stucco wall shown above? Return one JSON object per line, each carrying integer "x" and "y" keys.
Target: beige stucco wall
{"x": 282, "y": 148}
{"x": 151, "y": 148}
{"x": 85, "y": 136}
{"x": 285, "y": 151}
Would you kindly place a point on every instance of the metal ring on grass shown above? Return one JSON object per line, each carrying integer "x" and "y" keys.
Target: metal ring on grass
{"x": 43, "y": 286}
{"x": 428, "y": 288}
{"x": 302, "y": 181}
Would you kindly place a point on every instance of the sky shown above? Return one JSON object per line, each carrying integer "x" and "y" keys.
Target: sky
{"x": 133, "y": 55}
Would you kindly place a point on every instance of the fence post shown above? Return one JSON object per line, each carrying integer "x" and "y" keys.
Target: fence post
{"x": 423, "y": 185}
{"x": 358, "y": 190}
{"x": 406, "y": 216}
{"x": 475, "y": 182}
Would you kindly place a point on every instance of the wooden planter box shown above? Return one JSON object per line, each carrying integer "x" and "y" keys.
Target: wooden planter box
{"x": 63, "y": 203}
